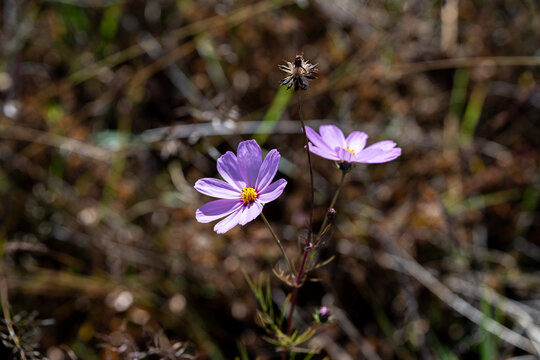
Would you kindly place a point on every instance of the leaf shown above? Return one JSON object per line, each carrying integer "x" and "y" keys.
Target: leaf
{"x": 324, "y": 263}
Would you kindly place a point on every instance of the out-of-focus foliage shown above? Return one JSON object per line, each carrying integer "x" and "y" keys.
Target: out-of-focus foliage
{"x": 110, "y": 110}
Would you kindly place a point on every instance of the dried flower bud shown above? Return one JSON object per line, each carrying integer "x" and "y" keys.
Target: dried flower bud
{"x": 300, "y": 72}
{"x": 323, "y": 314}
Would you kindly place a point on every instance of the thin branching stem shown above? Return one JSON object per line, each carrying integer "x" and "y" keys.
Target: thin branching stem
{"x": 299, "y": 282}
{"x": 323, "y": 230}
{"x": 301, "y": 117}
{"x": 309, "y": 240}
{"x": 276, "y": 239}
{"x": 325, "y": 221}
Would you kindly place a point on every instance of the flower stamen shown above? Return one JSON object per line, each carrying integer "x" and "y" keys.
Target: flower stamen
{"x": 249, "y": 195}
{"x": 351, "y": 151}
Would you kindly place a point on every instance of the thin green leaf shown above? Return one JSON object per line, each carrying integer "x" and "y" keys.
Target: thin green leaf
{"x": 274, "y": 113}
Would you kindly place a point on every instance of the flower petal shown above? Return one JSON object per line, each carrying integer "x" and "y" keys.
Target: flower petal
{"x": 249, "y": 212}
{"x": 272, "y": 192}
{"x": 388, "y": 155}
{"x": 229, "y": 222}
{"x": 250, "y": 159}
{"x": 228, "y": 168}
{"x": 333, "y": 136}
{"x": 356, "y": 141}
{"x": 217, "y": 188}
{"x": 268, "y": 169}
{"x": 323, "y": 152}
{"x": 386, "y": 145}
{"x": 316, "y": 139}
{"x": 344, "y": 155}
{"x": 217, "y": 209}
{"x": 377, "y": 155}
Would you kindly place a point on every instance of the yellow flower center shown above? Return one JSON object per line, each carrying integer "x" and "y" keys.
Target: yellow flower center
{"x": 351, "y": 151}
{"x": 248, "y": 195}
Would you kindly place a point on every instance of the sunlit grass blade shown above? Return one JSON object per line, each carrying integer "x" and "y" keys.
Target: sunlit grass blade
{"x": 274, "y": 113}
{"x": 472, "y": 115}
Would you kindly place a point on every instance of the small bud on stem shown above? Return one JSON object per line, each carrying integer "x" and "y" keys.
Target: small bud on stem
{"x": 323, "y": 315}
{"x": 331, "y": 214}
{"x": 344, "y": 166}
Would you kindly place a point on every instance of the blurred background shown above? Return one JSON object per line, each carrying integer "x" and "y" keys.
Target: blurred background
{"x": 110, "y": 110}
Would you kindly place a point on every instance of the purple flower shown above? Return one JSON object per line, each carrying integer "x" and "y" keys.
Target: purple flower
{"x": 332, "y": 144}
{"x": 247, "y": 187}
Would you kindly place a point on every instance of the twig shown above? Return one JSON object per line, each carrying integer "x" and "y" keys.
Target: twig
{"x": 167, "y": 60}
{"x": 334, "y": 350}
{"x": 512, "y": 308}
{"x": 221, "y": 128}
{"x": 441, "y": 64}
{"x": 10, "y": 131}
{"x": 426, "y": 278}
{"x": 352, "y": 332}
{"x": 234, "y": 18}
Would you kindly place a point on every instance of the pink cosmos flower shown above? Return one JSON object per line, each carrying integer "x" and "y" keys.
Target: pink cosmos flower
{"x": 247, "y": 187}
{"x": 331, "y": 144}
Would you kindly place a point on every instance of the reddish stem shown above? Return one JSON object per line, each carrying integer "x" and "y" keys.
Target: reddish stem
{"x": 309, "y": 243}
{"x": 301, "y": 118}
{"x": 307, "y": 249}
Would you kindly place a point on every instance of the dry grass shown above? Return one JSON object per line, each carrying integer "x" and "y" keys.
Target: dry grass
{"x": 111, "y": 110}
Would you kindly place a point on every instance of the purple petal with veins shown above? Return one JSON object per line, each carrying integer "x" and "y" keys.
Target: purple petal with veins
{"x": 331, "y": 144}
{"x": 247, "y": 187}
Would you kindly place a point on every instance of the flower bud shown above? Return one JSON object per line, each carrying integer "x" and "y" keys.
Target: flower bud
{"x": 323, "y": 314}
{"x": 344, "y": 166}
{"x": 331, "y": 214}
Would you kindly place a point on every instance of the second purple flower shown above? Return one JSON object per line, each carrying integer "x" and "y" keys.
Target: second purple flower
{"x": 331, "y": 144}
{"x": 247, "y": 187}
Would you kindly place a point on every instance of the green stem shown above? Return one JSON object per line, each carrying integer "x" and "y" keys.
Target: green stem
{"x": 276, "y": 239}
{"x": 309, "y": 240}
{"x": 343, "y": 173}
{"x": 325, "y": 221}
{"x": 308, "y": 153}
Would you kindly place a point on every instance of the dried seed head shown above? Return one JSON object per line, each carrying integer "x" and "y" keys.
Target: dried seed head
{"x": 300, "y": 73}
